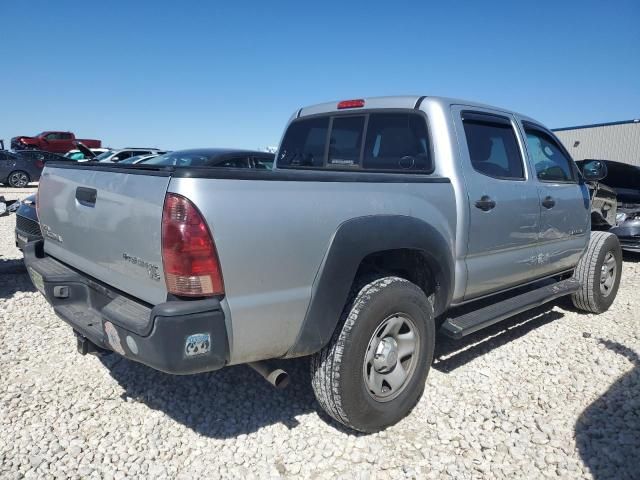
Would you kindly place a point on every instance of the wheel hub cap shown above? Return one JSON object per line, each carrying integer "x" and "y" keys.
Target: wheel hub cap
{"x": 391, "y": 357}
{"x": 386, "y": 355}
{"x": 608, "y": 274}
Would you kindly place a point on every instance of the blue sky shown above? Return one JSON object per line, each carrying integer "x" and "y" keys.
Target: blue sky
{"x": 194, "y": 74}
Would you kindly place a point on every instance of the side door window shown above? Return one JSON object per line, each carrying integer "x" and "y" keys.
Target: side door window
{"x": 56, "y": 142}
{"x": 123, "y": 155}
{"x": 493, "y": 147}
{"x": 550, "y": 162}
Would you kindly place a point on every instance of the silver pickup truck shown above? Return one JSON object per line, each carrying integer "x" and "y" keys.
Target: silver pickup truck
{"x": 384, "y": 221}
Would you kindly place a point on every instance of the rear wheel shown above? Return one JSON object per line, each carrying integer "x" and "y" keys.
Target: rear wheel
{"x": 373, "y": 371}
{"x": 599, "y": 272}
{"x": 18, "y": 179}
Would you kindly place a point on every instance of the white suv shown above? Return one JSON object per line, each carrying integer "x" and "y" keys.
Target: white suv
{"x": 115, "y": 156}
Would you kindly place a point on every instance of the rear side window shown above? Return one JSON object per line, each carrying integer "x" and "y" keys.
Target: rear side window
{"x": 549, "y": 160}
{"x": 375, "y": 141}
{"x": 493, "y": 148}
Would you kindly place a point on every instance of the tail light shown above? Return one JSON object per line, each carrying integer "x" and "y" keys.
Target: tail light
{"x": 191, "y": 265}
{"x": 39, "y": 164}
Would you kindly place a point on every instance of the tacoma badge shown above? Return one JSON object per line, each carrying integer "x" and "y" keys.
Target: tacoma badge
{"x": 152, "y": 270}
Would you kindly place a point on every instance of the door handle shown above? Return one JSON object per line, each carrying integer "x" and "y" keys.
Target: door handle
{"x": 485, "y": 203}
{"x": 548, "y": 202}
{"x": 87, "y": 196}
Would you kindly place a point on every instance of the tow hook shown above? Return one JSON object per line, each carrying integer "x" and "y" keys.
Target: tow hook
{"x": 84, "y": 346}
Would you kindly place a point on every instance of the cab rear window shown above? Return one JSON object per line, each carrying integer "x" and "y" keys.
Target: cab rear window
{"x": 394, "y": 141}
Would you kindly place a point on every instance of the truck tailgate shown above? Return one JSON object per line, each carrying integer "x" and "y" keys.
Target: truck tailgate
{"x": 107, "y": 224}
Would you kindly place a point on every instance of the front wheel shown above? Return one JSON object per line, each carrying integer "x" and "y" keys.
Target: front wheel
{"x": 373, "y": 371}
{"x": 18, "y": 179}
{"x": 599, "y": 272}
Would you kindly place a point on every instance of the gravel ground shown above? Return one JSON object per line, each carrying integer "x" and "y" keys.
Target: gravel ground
{"x": 552, "y": 393}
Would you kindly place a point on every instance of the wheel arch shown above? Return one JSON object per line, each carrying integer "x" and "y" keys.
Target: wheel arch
{"x": 357, "y": 246}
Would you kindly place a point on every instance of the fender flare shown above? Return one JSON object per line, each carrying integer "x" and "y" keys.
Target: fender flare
{"x": 353, "y": 241}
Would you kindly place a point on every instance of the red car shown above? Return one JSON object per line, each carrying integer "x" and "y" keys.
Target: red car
{"x": 55, "y": 142}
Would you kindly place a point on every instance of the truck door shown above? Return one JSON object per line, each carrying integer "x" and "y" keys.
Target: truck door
{"x": 564, "y": 201}
{"x": 503, "y": 205}
{"x": 55, "y": 142}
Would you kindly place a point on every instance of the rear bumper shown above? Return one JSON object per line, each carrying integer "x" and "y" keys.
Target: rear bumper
{"x": 178, "y": 337}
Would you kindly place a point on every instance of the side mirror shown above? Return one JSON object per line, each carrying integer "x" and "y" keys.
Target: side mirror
{"x": 594, "y": 170}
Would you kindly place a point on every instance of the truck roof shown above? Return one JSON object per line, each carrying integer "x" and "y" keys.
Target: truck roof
{"x": 399, "y": 101}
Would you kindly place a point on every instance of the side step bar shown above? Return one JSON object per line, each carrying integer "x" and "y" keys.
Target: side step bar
{"x": 458, "y": 327}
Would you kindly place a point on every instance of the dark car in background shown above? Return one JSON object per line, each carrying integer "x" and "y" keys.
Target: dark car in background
{"x": 215, "y": 157}
{"x": 18, "y": 169}
{"x": 623, "y": 180}
{"x": 119, "y": 155}
{"x": 27, "y": 226}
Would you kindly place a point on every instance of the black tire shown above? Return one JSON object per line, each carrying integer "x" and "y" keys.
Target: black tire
{"x": 337, "y": 374}
{"x": 16, "y": 179}
{"x": 591, "y": 274}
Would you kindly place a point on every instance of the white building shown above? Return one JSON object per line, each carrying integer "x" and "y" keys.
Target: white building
{"x": 618, "y": 141}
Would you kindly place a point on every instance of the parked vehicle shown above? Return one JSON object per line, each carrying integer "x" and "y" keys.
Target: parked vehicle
{"x": 628, "y": 230}
{"x": 382, "y": 221}
{"x": 18, "y": 171}
{"x": 78, "y": 155}
{"x": 622, "y": 181}
{"x": 137, "y": 159}
{"x": 52, "y": 141}
{"x": 27, "y": 226}
{"x": 215, "y": 157}
{"x": 24, "y": 166}
{"x": 115, "y": 156}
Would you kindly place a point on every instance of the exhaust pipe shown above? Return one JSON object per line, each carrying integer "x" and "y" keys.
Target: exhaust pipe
{"x": 275, "y": 376}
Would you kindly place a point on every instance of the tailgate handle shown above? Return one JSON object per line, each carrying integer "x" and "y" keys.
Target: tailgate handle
{"x": 86, "y": 196}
